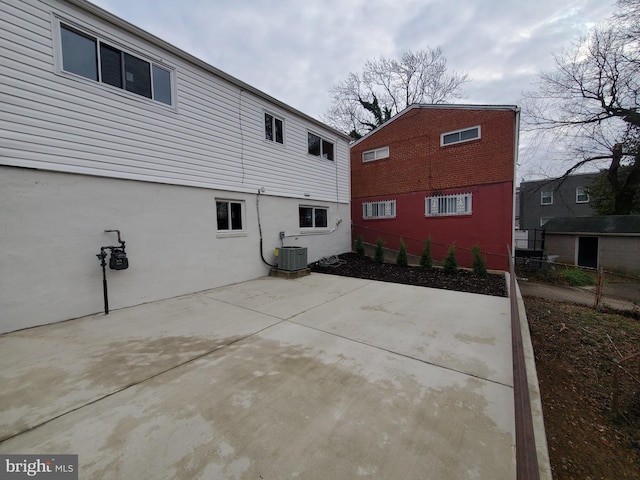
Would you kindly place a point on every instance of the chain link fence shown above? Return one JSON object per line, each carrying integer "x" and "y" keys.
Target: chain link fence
{"x": 596, "y": 288}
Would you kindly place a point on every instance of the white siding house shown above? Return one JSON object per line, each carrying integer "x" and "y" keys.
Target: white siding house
{"x": 104, "y": 126}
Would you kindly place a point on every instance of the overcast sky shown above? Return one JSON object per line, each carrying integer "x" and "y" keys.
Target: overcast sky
{"x": 295, "y": 50}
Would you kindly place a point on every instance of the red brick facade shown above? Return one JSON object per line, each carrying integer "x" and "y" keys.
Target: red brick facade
{"x": 418, "y": 167}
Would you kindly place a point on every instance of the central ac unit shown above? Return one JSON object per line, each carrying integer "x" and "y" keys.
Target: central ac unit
{"x": 292, "y": 258}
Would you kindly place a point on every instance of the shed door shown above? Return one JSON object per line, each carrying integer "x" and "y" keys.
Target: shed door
{"x": 588, "y": 252}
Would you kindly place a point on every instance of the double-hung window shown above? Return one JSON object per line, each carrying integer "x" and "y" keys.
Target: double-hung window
{"x": 90, "y": 57}
{"x": 319, "y": 146}
{"x": 459, "y": 136}
{"x": 273, "y": 128}
{"x": 445, "y": 205}
{"x": 546, "y": 198}
{"x": 229, "y": 216}
{"x": 582, "y": 195}
{"x": 385, "y": 209}
{"x": 313, "y": 217}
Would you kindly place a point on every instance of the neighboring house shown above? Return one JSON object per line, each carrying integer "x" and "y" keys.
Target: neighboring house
{"x": 104, "y": 126}
{"x": 444, "y": 171}
{"x": 609, "y": 241}
{"x": 542, "y": 200}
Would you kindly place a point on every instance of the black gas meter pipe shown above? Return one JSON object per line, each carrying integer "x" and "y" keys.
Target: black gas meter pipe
{"x": 118, "y": 261}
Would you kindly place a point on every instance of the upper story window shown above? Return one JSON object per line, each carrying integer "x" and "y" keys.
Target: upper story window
{"x": 273, "y": 128}
{"x": 91, "y": 58}
{"x": 582, "y": 195}
{"x": 459, "y": 136}
{"x": 546, "y": 198}
{"x": 385, "y": 209}
{"x": 377, "y": 154}
{"x": 320, "y": 147}
{"x": 313, "y": 217}
{"x": 444, "y": 205}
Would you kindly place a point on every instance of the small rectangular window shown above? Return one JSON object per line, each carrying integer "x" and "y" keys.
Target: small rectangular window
{"x": 313, "y": 217}
{"x": 79, "y": 53}
{"x": 320, "y": 147}
{"x": 459, "y": 136}
{"x": 273, "y": 128}
{"x": 229, "y": 215}
{"x": 582, "y": 195}
{"x": 446, "y": 205}
{"x": 384, "y": 209}
{"x": 375, "y": 154}
{"x": 546, "y": 198}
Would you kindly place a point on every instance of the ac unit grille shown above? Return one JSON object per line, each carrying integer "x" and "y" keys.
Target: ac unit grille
{"x": 292, "y": 258}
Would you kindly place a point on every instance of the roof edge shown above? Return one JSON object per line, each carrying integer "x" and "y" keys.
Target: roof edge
{"x": 441, "y": 106}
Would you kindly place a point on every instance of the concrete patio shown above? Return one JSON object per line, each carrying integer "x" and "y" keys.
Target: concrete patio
{"x": 314, "y": 378}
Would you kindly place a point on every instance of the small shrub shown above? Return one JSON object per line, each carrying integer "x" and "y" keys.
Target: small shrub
{"x": 360, "y": 246}
{"x": 577, "y": 277}
{"x": 479, "y": 264}
{"x": 379, "y": 253}
{"x": 401, "y": 259}
{"x": 450, "y": 264}
{"x": 425, "y": 259}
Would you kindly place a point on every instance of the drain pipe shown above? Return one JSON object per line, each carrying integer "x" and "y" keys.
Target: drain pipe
{"x": 260, "y": 229}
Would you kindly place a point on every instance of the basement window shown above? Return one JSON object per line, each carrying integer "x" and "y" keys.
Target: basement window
{"x": 229, "y": 215}
{"x": 446, "y": 205}
{"x": 313, "y": 217}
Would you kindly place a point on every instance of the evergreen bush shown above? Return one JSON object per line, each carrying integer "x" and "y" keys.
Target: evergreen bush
{"x": 360, "y": 246}
{"x": 401, "y": 259}
{"x": 479, "y": 264}
{"x": 450, "y": 264}
{"x": 379, "y": 253}
{"x": 426, "y": 261}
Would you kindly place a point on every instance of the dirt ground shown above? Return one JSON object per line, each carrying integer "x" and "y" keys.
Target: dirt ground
{"x": 574, "y": 347}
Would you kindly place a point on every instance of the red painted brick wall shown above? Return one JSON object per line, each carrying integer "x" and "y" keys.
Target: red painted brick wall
{"x": 417, "y": 162}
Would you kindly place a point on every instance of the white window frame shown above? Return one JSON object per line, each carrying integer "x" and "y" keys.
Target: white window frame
{"x": 99, "y": 39}
{"x": 274, "y": 117}
{"x": 379, "y": 209}
{"x": 546, "y": 194}
{"x": 456, "y": 204}
{"x": 582, "y": 191}
{"x": 313, "y": 217}
{"x": 230, "y": 232}
{"x": 323, "y": 140}
{"x": 377, "y": 154}
{"x": 460, "y": 132}
{"x": 544, "y": 220}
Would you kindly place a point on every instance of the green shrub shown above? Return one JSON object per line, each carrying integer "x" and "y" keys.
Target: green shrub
{"x": 425, "y": 259}
{"x": 577, "y": 277}
{"x": 401, "y": 259}
{"x": 379, "y": 253}
{"x": 360, "y": 246}
{"x": 479, "y": 264}
{"x": 450, "y": 264}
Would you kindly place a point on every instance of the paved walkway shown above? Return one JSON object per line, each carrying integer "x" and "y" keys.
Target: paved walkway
{"x": 315, "y": 378}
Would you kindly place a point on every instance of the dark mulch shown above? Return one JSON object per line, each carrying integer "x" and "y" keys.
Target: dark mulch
{"x": 462, "y": 281}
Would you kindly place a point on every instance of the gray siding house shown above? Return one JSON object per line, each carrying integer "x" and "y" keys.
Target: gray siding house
{"x": 542, "y": 200}
{"x": 104, "y": 126}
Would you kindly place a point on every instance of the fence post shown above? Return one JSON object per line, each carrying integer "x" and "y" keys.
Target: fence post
{"x": 599, "y": 288}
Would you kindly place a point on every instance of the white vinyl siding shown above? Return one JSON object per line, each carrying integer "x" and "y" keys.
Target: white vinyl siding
{"x": 446, "y": 205}
{"x": 212, "y": 138}
{"x": 384, "y": 209}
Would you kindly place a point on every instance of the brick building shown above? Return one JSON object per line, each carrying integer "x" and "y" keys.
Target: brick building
{"x": 445, "y": 171}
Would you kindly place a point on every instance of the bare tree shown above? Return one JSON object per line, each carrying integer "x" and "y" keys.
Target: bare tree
{"x": 590, "y": 100}
{"x": 363, "y": 101}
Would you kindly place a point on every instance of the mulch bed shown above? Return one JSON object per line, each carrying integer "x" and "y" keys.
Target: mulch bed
{"x": 356, "y": 266}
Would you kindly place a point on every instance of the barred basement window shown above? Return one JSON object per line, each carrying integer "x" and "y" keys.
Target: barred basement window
{"x": 444, "y": 205}
{"x": 385, "y": 209}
